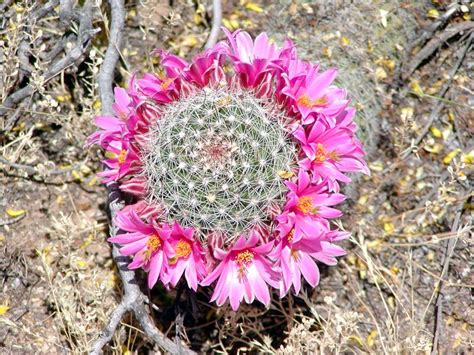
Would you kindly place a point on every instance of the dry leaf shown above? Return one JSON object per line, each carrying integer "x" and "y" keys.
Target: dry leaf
{"x": 450, "y": 156}
{"x": 383, "y": 17}
{"x": 416, "y": 88}
{"x": 436, "y": 132}
{"x": 3, "y": 309}
{"x": 285, "y": 174}
{"x": 380, "y": 73}
{"x": 433, "y": 13}
{"x": 253, "y": 7}
{"x": 371, "y": 338}
{"x": 15, "y": 213}
{"x": 345, "y": 41}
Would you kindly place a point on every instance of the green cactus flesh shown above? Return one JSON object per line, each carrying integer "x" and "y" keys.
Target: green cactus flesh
{"x": 213, "y": 160}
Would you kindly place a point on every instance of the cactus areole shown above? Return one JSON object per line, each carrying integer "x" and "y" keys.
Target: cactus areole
{"x": 235, "y": 161}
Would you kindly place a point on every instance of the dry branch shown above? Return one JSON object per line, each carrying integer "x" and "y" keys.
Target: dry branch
{"x": 86, "y": 33}
{"x": 133, "y": 299}
{"x": 216, "y": 23}
{"x": 450, "y": 245}
{"x": 436, "y": 42}
{"x": 38, "y": 171}
{"x": 4, "y": 222}
{"x": 439, "y": 106}
{"x": 428, "y": 32}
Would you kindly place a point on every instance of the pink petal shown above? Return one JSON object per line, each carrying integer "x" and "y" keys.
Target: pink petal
{"x": 156, "y": 264}
{"x": 309, "y": 269}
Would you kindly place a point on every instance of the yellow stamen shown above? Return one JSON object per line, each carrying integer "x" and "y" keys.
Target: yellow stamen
{"x": 320, "y": 154}
{"x": 334, "y": 156}
{"x": 166, "y": 83}
{"x": 122, "y": 156}
{"x": 290, "y": 235}
{"x": 245, "y": 257}
{"x": 320, "y": 101}
{"x": 305, "y": 101}
{"x": 183, "y": 249}
{"x": 154, "y": 242}
{"x": 305, "y": 205}
{"x": 295, "y": 254}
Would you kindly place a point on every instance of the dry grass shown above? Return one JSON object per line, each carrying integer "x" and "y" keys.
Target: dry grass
{"x": 407, "y": 251}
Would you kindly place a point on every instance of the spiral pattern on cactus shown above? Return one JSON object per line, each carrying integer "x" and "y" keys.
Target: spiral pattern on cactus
{"x": 213, "y": 159}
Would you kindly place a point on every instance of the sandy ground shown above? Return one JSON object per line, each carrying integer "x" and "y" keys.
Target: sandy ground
{"x": 407, "y": 280}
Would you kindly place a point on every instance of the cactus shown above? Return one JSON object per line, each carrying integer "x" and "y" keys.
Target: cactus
{"x": 212, "y": 160}
{"x": 236, "y": 160}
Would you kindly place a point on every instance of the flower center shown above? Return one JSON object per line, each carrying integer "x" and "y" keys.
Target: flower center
{"x": 244, "y": 258}
{"x": 154, "y": 242}
{"x": 290, "y": 235}
{"x": 183, "y": 249}
{"x": 166, "y": 83}
{"x": 321, "y": 101}
{"x": 122, "y": 157}
{"x": 306, "y": 101}
{"x": 305, "y": 205}
{"x": 334, "y": 156}
{"x": 320, "y": 154}
{"x": 295, "y": 254}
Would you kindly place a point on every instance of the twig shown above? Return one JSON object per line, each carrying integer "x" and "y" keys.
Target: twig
{"x": 216, "y": 23}
{"x": 86, "y": 32}
{"x": 450, "y": 245}
{"x": 133, "y": 299}
{"x": 33, "y": 170}
{"x": 435, "y": 43}
{"x": 433, "y": 27}
{"x": 65, "y": 12}
{"x": 439, "y": 106}
{"x": 4, "y": 222}
{"x": 106, "y": 74}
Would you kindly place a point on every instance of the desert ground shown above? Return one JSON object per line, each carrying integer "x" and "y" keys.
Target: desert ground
{"x": 405, "y": 285}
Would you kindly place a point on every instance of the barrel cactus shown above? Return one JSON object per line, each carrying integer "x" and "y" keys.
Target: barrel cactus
{"x": 235, "y": 161}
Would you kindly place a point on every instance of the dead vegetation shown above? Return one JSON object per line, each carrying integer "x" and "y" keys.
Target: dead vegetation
{"x": 406, "y": 284}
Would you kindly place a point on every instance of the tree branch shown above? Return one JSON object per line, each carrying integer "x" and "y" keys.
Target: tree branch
{"x": 86, "y": 33}
{"x": 133, "y": 299}
{"x": 216, "y": 23}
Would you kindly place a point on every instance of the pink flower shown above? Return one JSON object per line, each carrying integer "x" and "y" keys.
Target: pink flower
{"x": 295, "y": 259}
{"x": 310, "y": 199}
{"x": 172, "y": 64}
{"x": 316, "y": 95}
{"x": 330, "y": 251}
{"x": 330, "y": 152}
{"x": 187, "y": 257}
{"x": 123, "y": 160}
{"x": 112, "y": 129}
{"x": 122, "y": 106}
{"x": 243, "y": 273}
{"x": 159, "y": 89}
{"x": 252, "y": 60}
{"x": 148, "y": 243}
{"x": 303, "y": 225}
{"x": 206, "y": 68}
{"x": 146, "y": 211}
{"x": 135, "y": 186}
